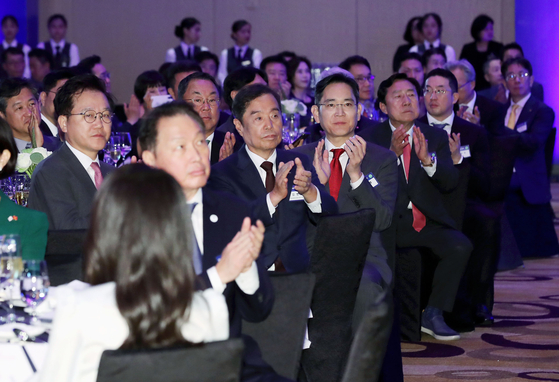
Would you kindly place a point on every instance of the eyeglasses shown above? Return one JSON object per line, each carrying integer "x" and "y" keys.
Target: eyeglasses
{"x": 370, "y": 79}
{"x": 105, "y": 76}
{"x": 199, "y": 102}
{"x": 91, "y": 116}
{"x": 331, "y": 106}
{"x": 513, "y": 76}
{"x": 430, "y": 91}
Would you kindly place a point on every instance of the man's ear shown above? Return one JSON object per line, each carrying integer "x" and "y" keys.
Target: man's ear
{"x": 473, "y": 84}
{"x": 383, "y": 108}
{"x": 2, "y": 115}
{"x": 455, "y": 98}
{"x": 42, "y": 98}
{"x": 239, "y": 126}
{"x": 148, "y": 157}
{"x": 359, "y": 110}
{"x": 62, "y": 123}
{"x": 171, "y": 92}
{"x": 316, "y": 114}
{"x": 531, "y": 81}
{"x": 233, "y": 93}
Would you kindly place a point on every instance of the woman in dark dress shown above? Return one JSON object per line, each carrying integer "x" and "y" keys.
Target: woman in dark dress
{"x": 413, "y": 37}
{"x": 478, "y": 52}
{"x": 299, "y": 76}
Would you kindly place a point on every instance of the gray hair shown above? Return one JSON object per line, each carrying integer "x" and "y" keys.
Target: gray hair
{"x": 466, "y": 67}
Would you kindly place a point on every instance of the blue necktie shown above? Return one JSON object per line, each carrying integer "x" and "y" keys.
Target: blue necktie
{"x": 439, "y": 125}
{"x": 197, "y": 255}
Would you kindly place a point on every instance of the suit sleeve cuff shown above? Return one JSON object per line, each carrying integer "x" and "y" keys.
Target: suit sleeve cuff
{"x": 316, "y": 206}
{"x": 249, "y": 281}
{"x": 358, "y": 183}
{"x": 271, "y": 208}
{"x": 215, "y": 280}
{"x": 432, "y": 169}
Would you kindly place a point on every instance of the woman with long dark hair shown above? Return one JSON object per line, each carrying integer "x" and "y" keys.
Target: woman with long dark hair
{"x": 138, "y": 263}
{"x": 299, "y": 76}
{"x": 188, "y": 32}
{"x": 412, "y": 36}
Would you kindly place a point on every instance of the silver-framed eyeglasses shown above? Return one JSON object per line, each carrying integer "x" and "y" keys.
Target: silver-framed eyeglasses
{"x": 514, "y": 76}
{"x": 438, "y": 92}
{"x": 91, "y": 116}
{"x": 199, "y": 102}
{"x": 331, "y": 106}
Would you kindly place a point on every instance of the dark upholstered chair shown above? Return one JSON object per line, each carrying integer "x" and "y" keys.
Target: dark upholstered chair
{"x": 211, "y": 362}
{"x": 280, "y": 337}
{"x": 338, "y": 258}
{"x": 64, "y": 255}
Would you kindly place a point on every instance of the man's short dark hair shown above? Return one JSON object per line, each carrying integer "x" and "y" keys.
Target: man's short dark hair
{"x": 293, "y": 65}
{"x": 52, "y": 78}
{"x": 207, "y": 55}
{"x": 13, "y": 51}
{"x": 10, "y": 17}
{"x": 286, "y": 54}
{"x": 512, "y": 45}
{"x": 431, "y": 52}
{"x": 479, "y": 24}
{"x": 146, "y": 80}
{"x": 238, "y": 79}
{"x": 437, "y": 20}
{"x": 195, "y": 76}
{"x": 486, "y": 64}
{"x": 452, "y": 81}
{"x": 74, "y": 87}
{"x": 180, "y": 67}
{"x": 42, "y": 55}
{"x": 410, "y": 56}
{"x": 354, "y": 60}
{"x": 276, "y": 59}
{"x": 386, "y": 84}
{"x": 337, "y": 78}
{"x": 147, "y": 135}
{"x": 89, "y": 62}
{"x": 11, "y": 87}
{"x": 248, "y": 94}
{"x": 517, "y": 60}
{"x": 57, "y": 16}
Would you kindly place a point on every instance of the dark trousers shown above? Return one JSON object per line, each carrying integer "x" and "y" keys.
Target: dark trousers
{"x": 450, "y": 247}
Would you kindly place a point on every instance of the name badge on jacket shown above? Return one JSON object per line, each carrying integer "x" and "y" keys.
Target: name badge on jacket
{"x": 465, "y": 151}
{"x": 295, "y": 195}
{"x": 522, "y": 127}
{"x": 371, "y": 179}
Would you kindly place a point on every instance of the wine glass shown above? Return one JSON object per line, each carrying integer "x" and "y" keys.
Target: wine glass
{"x": 125, "y": 143}
{"x": 21, "y": 184}
{"x": 11, "y": 267}
{"x": 34, "y": 285}
{"x": 113, "y": 149}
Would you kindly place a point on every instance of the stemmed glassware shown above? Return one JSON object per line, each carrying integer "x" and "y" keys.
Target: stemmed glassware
{"x": 113, "y": 149}
{"x": 125, "y": 143}
{"x": 34, "y": 285}
{"x": 11, "y": 267}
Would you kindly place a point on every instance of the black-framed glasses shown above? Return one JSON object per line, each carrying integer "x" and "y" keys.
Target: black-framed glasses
{"x": 514, "y": 76}
{"x": 91, "y": 116}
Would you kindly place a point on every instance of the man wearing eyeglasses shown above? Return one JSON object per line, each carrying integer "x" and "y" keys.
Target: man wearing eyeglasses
{"x": 201, "y": 91}
{"x": 527, "y": 202}
{"x": 64, "y": 185}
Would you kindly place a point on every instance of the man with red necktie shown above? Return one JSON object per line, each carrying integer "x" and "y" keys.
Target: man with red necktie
{"x": 426, "y": 173}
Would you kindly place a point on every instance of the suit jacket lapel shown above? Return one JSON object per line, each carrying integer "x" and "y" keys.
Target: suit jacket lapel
{"x": 526, "y": 112}
{"x": 211, "y": 247}
{"x": 217, "y": 142}
{"x": 249, "y": 173}
{"x": 77, "y": 169}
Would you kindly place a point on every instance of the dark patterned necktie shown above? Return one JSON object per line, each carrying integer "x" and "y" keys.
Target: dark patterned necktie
{"x": 197, "y": 255}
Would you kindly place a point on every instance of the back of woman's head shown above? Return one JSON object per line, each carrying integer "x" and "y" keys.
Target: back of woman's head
{"x": 7, "y": 142}
{"x": 141, "y": 238}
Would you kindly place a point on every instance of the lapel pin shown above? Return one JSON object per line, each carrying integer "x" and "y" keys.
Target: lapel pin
{"x": 13, "y": 217}
{"x": 214, "y": 218}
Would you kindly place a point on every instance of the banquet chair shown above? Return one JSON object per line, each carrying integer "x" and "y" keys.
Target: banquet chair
{"x": 210, "y": 362}
{"x": 280, "y": 336}
{"x": 64, "y": 255}
{"x": 338, "y": 258}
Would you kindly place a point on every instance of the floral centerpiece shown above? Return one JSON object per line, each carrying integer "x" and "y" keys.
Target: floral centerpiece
{"x": 293, "y": 106}
{"x": 28, "y": 159}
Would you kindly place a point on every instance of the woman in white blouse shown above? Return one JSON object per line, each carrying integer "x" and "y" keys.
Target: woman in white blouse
{"x": 188, "y": 33}
{"x": 141, "y": 280}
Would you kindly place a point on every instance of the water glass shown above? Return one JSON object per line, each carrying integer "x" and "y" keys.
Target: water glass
{"x": 11, "y": 267}
{"x": 34, "y": 285}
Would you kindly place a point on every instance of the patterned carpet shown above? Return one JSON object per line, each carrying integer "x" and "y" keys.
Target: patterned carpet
{"x": 523, "y": 345}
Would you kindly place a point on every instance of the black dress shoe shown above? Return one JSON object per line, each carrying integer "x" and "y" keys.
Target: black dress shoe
{"x": 483, "y": 316}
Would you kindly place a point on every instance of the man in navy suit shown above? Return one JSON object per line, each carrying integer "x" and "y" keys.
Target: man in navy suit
{"x": 64, "y": 185}
{"x": 421, "y": 218}
{"x": 201, "y": 91}
{"x": 227, "y": 255}
{"x": 527, "y": 203}
{"x": 281, "y": 186}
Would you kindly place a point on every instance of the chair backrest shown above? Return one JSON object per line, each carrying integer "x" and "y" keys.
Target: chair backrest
{"x": 369, "y": 345}
{"x": 280, "y": 336}
{"x": 211, "y": 362}
{"x": 64, "y": 255}
{"x": 548, "y": 150}
{"x": 339, "y": 253}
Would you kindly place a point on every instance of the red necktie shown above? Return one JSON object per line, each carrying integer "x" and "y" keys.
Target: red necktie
{"x": 98, "y": 176}
{"x": 419, "y": 220}
{"x": 270, "y": 178}
{"x": 335, "y": 181}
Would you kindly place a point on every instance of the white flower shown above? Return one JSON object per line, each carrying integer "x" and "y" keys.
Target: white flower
{"x": 23, "y": 162}
{"x": 302, "y": 109}
{"x": 42, "y": 151}
{"x": 289, "y": 106}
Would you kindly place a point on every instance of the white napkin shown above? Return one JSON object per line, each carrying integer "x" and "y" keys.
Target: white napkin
{"x": 14, "y": 364}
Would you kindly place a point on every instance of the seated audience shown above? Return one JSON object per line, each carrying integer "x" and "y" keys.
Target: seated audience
{"x": 64, "y": 53}
{"x": 13, "y": 62}
{"x": 20, "y": 108}
{"x": 492, "y": 73}
{"x": 276, "y": 70}
{"x": 527, "y": 203}
{"x": 513, "y": 50}
{"x": 240, "y": 54}
{"x": 421, "y": 218}
{"x": 412, "y": 36}
{"x": 431, "y": 26}
{"x": 432, "y": 59}
{"x": 201, "y": 91}
{"x": 188, "y": 33}
{"x": 478, "y": 52}
{"x": 40, "y": 63}
{"x": 208, "y": 63}
{"x": 412, "y": 66}
{"x": 281, "y": 186}
{"x": 360, "y": 69}
{"x": 178, "y": 72}
{"x": 140, "y": 226}
{"x": 64, "y": 185}
{"x": 299, "y": 76}
{"x": 10, "y": 28}
{"x": 93, "y": 65}
{"x": 51, "y": 84}
{"x": 31, "y": 226}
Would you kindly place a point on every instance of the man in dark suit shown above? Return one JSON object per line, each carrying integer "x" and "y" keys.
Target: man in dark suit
{"x": 227, "y": 254}
{"x": 201, "y": 91}
{"x": 64, "y": 185}
{"x": 281, "y": 186}
{"x": 527, "y": 203}
{"x": 421, "y": 218}
{"x": 514, "y": 50}
{"x": 52, "y": 82}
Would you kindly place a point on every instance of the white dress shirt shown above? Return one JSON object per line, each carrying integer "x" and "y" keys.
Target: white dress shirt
{"x": 222, "y": 71}
{"x": 53, "y": 129}
{"x": 344, "y": 158}
{"x": 74, "y": 53}
{"x": 247, "y": 281}
{"x": 210, "y": 141}
{"x": 171, "y": 55}
{"x": 449, "y": 51}
{"x": 21, "y": 144}
{"x": 26, "y": 49}
{"x": 85, "y": 161}
{"x": 520, "y": 104}
{"x": 448, "y": 128}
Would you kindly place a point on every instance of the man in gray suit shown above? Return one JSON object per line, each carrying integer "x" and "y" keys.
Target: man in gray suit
{"x": 64, "y": 185}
